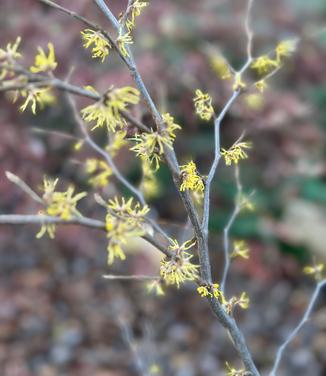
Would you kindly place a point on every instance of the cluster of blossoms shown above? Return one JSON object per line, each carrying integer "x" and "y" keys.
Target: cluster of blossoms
{"x": 134, "y": 10}
{"x": 203, "y": 105}
{"x": 230, "y": 371}
{"x": 240, "y": 249}
{"x": 95, "y": 40}
{"x": 129, "y": 22}
{"x": 8, "y": 57}
{"x": 43, "y": 62}
{"x": 263, "y": 65}
{"x": 190, "y": 179}
{"x": 220, "y": 66}
{"x": 150, "y": 146}
{"x": 124, "y": 220}
{"x": 58, "y": 204}
{"x": 213, "y": 291}
{"x": 235, "y": 153}
{"x": 108, "y": 110}
{"x": 34, "y": 96}
{"x": 315, "y": 270}
{"x": 100, "y": 172}
{"x": 116, "y": 142}
{"x": 178, "y": 268}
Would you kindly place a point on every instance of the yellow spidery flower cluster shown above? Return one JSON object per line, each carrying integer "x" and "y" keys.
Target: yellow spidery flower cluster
{"x": 100, "y": 172}
{"x": 284, "y": 49}
{"x": 43, "y": 62}
{"x": 125, "y": 37}
{"x": 211, "y": 291}
{"x": 240, "y": 249}
{"x": 203, "y": 105}
{"x": 236, "y": 153}
{"x": 107, "y": 111}
{"x": 315, "y": 270}
{"x": 220, "y": 67}
{"x": 150, "y": 146}
{"x": 264, "y": 64}
{"x": 243, "y": 301}
{"x": 35, "y": 98}
{"x": 58, "y": 204}
{"x": 155, "y": 287}
{"x": 8, "y": 56}
{"x": 234, "y": 372}
{"x": 190, "y": 179}
{"x": 124, "y": 220}
{"x": 244, "y": 202}
{"x": 238, "y": 83}
{"x": 134, "y": 11}
{"x": 99, "y": 45}
{"x": 178, "y": 268}
{"x": 123, "y": 40}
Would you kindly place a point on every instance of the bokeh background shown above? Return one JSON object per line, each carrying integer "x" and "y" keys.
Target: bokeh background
{"x": 58, "y": 316}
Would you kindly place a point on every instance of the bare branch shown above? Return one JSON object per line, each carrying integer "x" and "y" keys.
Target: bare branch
{"x": 295, "y": 331}
{"x": 226, "y": 231}
{"x": 23, "y": 186}
{"x": 17, "y": 219}
{"x": 131, "y": 277}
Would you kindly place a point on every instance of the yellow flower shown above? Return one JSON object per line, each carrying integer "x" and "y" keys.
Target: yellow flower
{"x": 8, "y": 57}
{"x": 238, "y": 83}
{"x": 100, "y": 170}
{"x": 236, "y": 153}
{"x": 156, "y": 287}
{"x": 10, "y": 53}
{"x": 154, "y": 369}
{"x": 244, "y": 202}
{"x": 243, "y": 301}
{"x": 315, "y": 270}
{"x": 117, "y": 141}
{"x": 122, "y": 41}
{"x": 264, "y": 64}
{"x": 190, "y": 179}
{"x": 107, "y": 111}
{"x": 212, "y": 291}
{"x": 48, "y": 228}
{"x": 285, "y": 48}
{"x": 241, "y": 249}
{"x": 43, "y": 62}
{"x": 261, "y": 85}
{"x": 135, "y": 10}
{"x": 60, "y": 204}
{"x": 178, "y": 268}
{"x": 203, "y": 105}
{"x": 254, "y": 101}
{"x": 234, "y": 372}
{"x": 220, "y": 67}
{"x": 150, "y": 146}
{"x": 99, "y": 45}
{"x": 124, "y": 220}
{"x": 36, "y": 97}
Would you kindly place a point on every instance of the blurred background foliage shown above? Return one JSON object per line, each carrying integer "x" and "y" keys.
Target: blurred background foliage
{"x": 58, "y": 316}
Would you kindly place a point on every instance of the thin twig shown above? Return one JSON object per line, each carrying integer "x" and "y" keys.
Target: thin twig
{"x": 21, "y": 219}
{"x": 23, "y": 186}
{"x": 130, "y": 277}
{"x": 226, "y": 231}
{"x": 295, "y": 331}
